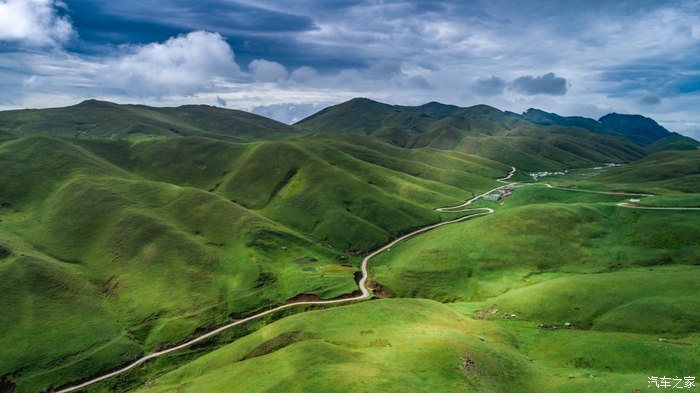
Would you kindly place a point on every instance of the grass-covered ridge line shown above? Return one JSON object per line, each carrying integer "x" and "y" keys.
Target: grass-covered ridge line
{"x": 481, "y": 130}
{"x": 105, "y": 120}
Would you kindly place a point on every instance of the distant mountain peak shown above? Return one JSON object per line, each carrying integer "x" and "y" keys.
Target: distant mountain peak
{"x": 640, "y": 129}
{"x": 362, "y": 100}
{"x": 93, "y": 103}
{"x": 433, "y": 104}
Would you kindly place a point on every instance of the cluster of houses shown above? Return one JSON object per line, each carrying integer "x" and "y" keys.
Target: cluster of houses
{"x": 499, "y": 194}
{"x": 537, "y": 175}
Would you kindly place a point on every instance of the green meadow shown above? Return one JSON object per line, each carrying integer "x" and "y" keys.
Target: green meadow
{"x": 138, "y": 245}
{"x": 126, "y": 230}
{"x": 384, "y": 345}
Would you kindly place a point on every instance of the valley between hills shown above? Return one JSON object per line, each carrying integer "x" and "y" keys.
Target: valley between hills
{"x": 239, "y": 254}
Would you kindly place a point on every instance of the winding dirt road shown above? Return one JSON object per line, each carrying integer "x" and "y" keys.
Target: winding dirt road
{"x": 633, "y": 206}
{"x": 365, "y": 294}
{"x": 627, "y": 205}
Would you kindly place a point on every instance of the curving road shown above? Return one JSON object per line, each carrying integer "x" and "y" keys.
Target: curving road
{"x": 462, "y": 207}
{"x": 627, "y": 205}
{"x": 365, "y": 294}
{"x": 633, "y": 206}
{"x": 598, "y": 192}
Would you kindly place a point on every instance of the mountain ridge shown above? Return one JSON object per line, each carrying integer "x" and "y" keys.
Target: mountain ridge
{"x": 479, "y": 129}
{"x": 104, "y": 119}
{"x": 627, "y": 126}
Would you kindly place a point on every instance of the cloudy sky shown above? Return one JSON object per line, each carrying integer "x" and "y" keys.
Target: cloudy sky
{"x": 287, "y": 59}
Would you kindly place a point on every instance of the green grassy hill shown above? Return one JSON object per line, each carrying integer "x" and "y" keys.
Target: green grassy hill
{"x": 536, "y": 231}
{"x": 149, "y": 263}
{"x": 158, "y": 239}
{"x": 313, "y": 184}
{"x": 380, "y": 346}
{"x": 663, "y": 172}
{"x": 673, "y": 142}
{"x": 105, "y": 120}
{"x": 393, "y": 345}
{"x": 126, "y": 229}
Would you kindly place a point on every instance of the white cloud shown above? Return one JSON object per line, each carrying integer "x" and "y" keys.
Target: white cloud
{"x": 303, "y": 73}
{"x": 181, "y": 65}
{"x": 34, "y": 22}
{"x": 267, "y": 71}
{"x": 289, "y": 113}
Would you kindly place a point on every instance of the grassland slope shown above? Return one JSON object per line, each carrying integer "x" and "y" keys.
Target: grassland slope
{"x": 379, "y": 346}
{"x": 159, "y": 238}
{"x": 105, "y": 120}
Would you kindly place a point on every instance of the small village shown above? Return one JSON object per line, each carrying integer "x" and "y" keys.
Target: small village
{"x": 499, "y": 194}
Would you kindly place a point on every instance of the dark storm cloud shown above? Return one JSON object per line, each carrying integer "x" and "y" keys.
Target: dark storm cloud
{"x": 650, "y": 99}
{"x": 545, "y": 84}
{"x": 418, "y": 82}
{"x": 489, "y": 86}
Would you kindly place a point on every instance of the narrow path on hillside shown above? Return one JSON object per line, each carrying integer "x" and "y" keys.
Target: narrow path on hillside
{"x": 633, "y": 206}
{"x": 627, "y": 205}
{"x": 598, "y": 192}
{"x": 365, "y": 294}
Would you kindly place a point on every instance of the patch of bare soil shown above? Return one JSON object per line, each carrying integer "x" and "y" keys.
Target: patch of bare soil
{"x": 378, "y": 289}
{"x": 303, "y": 297}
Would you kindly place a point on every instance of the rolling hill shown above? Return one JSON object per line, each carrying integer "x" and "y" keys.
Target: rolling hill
{"x": 155, "y": 239}
{"x": 126, "y": 229}
{"x": 674, "y": 172}
{"x": 94, "y": 119}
